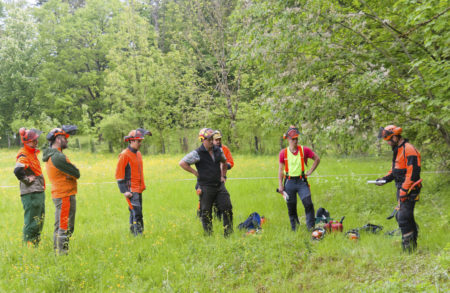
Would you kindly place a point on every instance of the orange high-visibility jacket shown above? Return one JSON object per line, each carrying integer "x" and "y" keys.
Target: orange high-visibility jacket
{"x": 405, "y": 168}
{"x": 61, "y": 172}
{"x": 27, "y": 164}
{"x": 129, "y": 172}
{"x": 227, "y": 153}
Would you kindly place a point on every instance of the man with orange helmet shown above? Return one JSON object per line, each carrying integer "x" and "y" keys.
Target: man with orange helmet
{"x": 32, "y": 185}
{"x": 405, "y": 171}
{"x": 63, "y": 175}
{"x": 130, "y": 178}
{"x": 210, "y": 163}
{"x": 293, "y": 179}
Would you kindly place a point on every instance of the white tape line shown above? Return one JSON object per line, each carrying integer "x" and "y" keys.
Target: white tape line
{"x": 246, "y": 178}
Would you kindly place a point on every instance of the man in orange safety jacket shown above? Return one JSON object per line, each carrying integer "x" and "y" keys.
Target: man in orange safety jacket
{"x": 405, "y": 171}
{"x": 32, "y": 186}
{"x": 63, "y": 176}
{"x": 130, "y": 178}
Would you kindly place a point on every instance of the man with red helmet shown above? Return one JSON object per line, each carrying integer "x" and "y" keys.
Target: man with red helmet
{"x": 405, "y": 171}
{"x": 63, "y": 175}
{"x": 293, "y": 179}
{"x": 210, "y": 163}
{"x": 32, "y": 185}
{"x": 130, "y": 178}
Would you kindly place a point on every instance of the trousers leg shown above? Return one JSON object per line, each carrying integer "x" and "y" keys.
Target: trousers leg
{"x": 225, "y": 208}
{"x": 291, "y": 190}
{"x": 34, "y": 215}
{"x": 65, "y": 209}
{"x": 209, "y": 194}
{"x": 305, "y": 195}
{"x": 407, "y": 224}
{"x": 136, "y": 217}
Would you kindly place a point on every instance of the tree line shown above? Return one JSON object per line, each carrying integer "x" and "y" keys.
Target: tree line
{"x": 338, "y": 69}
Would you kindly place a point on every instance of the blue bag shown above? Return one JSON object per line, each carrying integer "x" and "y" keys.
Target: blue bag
{"x": 253, "y": 222}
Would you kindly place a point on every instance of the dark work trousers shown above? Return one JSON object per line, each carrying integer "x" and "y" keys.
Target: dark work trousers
{"x": 136, "y": 217}
{"x": 406, "y": 221}
{"x": 217, "y": 213}
{"x": 220, "y": 195}
{"x": 34, "y": 215}
{"x": 293, "y": 187}
{"x": 65, "y": 209}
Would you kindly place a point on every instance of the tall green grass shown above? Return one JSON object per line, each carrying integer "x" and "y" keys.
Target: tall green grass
{"x": 173, "y": 254}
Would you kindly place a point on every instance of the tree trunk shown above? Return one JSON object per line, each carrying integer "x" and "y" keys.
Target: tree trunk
{"x": 256, "y": 144}
{"x": 184, "y": 146}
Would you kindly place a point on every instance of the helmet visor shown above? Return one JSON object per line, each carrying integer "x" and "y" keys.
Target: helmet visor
{"x": 32, "y": 134}
{"x": 385, "y": 134}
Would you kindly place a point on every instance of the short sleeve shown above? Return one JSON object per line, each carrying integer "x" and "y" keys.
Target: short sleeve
{"x": 281, "y": 159}
{"x": 309, "y": 154}
{"x": 191, "y": 158}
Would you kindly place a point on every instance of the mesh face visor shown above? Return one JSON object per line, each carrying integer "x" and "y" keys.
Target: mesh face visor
{"x": 69, "y": 129}
{"x": 137, "y": 134}
{"x": 141, "y": 132}
{"x": 385, "y": 134}
{"x": 31, "y": 134}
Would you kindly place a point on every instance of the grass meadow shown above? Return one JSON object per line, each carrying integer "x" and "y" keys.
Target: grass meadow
{"x": 173, "y": 255}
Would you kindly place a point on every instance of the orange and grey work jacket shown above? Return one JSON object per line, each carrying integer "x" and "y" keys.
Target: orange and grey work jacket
{"x": 227, "y": 153}
{"x": 27, "y": 164}
{"x": 61, "y": 172}
{"x": 129, "y": 172}
{"x": 405, "y": 167}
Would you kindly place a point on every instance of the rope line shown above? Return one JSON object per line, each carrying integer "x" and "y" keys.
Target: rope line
{"x": 246, "y": 178}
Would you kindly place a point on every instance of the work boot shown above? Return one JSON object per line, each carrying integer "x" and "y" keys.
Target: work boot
{"x": 409, "y": 242}
{"x": 62, "y": 244}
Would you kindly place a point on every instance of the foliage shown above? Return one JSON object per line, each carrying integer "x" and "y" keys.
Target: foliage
{"x": 338, "y": 69}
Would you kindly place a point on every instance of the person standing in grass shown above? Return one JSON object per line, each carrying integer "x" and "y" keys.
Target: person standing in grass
{"x": 32, "y": 186}
{"x": 63, "y": 176}
{"x": 217, "y": 140}
{"x": 130, "y": 178}
{"x": 292, "y": 177}
{"x": 405, "y": 171}
{"x": 211, "y": 170}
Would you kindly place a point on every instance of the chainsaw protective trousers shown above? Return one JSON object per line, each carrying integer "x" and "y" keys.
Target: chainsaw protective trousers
{"x": 136, "y": 216}
{"x": 65, "y": 209}
{"x": 407, "y": 223}
{"x": 221, "y": 197}
{"x": 293, "y": 187}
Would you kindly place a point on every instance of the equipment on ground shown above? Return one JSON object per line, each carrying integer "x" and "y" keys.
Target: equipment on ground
{"x": 318, "y": 233}
{"x": 352, "y": 234}
{"x": 253, "y": 223}
{"x": 334, "y": 226}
